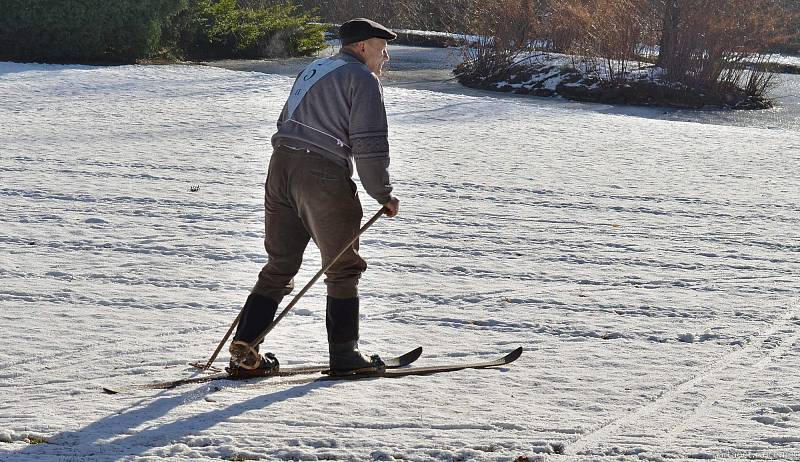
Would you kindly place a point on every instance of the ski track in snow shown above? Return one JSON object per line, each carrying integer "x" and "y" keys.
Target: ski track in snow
{"x": 648, "y": 267}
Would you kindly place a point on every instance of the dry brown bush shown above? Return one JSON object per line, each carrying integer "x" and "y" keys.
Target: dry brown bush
{"x": 709, "y": 43}
{"x": 505, "y": 31}
{"x": 606, "y": 34}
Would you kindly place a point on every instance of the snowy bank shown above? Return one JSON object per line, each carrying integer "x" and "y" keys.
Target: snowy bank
{"x": 601, "y": 81}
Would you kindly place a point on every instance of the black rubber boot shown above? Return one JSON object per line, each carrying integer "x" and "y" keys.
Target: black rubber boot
{"x": 257, "y": 314}
{"x": 341, "y": 321}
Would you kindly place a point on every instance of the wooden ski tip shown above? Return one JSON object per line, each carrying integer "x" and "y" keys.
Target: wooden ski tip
{"x": 513, "y": 356}
{"x": 412, "y": 355}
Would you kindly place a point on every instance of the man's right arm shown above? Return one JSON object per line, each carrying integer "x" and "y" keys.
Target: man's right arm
{"x": 369, "y": 138}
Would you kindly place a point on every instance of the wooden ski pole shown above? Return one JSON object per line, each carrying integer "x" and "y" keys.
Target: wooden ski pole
{"x": 296, "y": 298}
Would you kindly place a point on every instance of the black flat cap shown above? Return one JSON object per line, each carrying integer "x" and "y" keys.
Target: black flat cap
{"x": 358, "y": 29}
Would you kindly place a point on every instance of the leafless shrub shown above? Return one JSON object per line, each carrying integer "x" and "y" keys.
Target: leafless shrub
{"x": 566, "y": 25}
{"x": 707, "y": 43}
{"x": 745, "y": 73}
{"x": 504, "y": 32}
{"x": 606, "y": 35}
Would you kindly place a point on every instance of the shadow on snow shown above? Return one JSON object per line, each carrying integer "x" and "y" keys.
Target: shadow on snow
{"x": 115, "y": 436}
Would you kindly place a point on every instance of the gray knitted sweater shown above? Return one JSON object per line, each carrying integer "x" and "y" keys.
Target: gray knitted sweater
{"x": 343, "y": 116}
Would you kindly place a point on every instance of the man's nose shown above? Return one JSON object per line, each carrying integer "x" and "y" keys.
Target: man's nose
{"x": 385, "y": 55}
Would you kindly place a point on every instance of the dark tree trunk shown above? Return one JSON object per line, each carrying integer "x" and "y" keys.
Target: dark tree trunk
{"x": 669, "y": 34}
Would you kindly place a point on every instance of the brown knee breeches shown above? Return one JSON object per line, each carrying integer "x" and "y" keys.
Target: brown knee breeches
{"x": 309, "y": 196}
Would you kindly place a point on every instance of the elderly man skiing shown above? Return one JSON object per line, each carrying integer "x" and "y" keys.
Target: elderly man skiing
{"x": 333, "y": 119}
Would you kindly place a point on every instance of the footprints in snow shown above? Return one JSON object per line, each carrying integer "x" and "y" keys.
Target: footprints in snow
{"x": 783, "y": 416}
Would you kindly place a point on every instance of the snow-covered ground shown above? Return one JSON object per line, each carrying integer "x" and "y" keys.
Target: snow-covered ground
{"x": 785, "y": 59}
{"x": 649, "y": 267}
